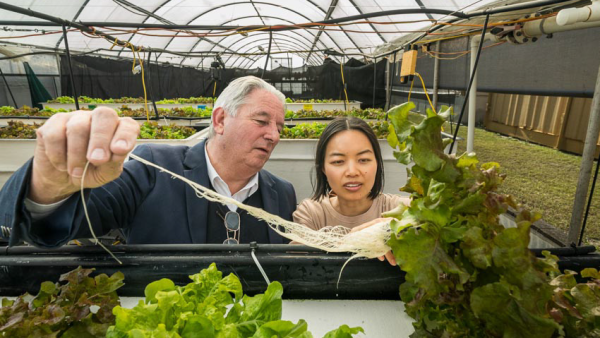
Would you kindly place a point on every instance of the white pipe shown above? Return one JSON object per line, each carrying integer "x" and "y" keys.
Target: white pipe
{"x": 570, "y": 16}
{"x": 567, "y": 20}
{"x": 472, "y": 95}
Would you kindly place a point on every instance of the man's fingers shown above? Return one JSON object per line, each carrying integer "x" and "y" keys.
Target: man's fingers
{"x": 103, "y": 127}
{"x": 78, "y": 134}
{"x": 52, "y": 140}
{"x": 124, "y": 139}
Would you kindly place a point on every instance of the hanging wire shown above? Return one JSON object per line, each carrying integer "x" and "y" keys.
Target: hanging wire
{"x": 425, "y": 90}
{"x": 411, "y": 87}
{"x": 344, "y": 83}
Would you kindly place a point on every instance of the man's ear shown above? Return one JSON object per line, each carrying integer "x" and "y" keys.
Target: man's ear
{"x": 218, "y": 120}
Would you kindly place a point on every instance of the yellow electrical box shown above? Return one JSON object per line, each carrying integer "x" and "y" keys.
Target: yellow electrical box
{"x": 409, "y": 63}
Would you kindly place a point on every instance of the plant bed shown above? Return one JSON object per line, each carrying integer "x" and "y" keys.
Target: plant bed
{"x": 367, "y": 294}
{"x": 372, "y": 114}
{"x": 66, "y": 102}
{"x": 178, "y": 116}
{"x": 322, "y": 106}
{"x": 17, "y": 142}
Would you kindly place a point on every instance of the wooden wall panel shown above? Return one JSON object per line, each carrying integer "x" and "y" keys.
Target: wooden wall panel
{"x": 557, "y": 122}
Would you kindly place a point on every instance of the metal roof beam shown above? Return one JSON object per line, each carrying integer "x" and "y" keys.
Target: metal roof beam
{"x": 196, "y": 44}
{"x": 327, "y": 16}
{"x": 265, "y": 39}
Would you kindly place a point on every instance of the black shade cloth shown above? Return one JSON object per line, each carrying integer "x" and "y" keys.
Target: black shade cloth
{"x": 105, "y": 78}
{"x": 37, "y": 90}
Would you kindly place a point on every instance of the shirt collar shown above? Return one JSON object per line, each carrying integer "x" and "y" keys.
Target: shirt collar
{"x": 214, "y": 176}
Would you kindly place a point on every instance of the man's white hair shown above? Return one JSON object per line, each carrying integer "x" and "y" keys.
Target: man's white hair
{"x": 235, "y": 94}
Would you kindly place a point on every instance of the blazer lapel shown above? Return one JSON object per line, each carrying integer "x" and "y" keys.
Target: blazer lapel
{"x": 270, "y": 200}
{"x": 197, "y": 207}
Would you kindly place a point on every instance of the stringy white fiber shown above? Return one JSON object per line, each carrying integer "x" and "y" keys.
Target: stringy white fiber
{"x": 369, "y": 242}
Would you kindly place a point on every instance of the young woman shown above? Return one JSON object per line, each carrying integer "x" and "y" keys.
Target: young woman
{"x": 349, "y": 178}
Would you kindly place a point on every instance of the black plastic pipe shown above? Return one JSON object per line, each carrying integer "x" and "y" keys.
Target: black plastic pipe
{"x": 75, "y": 97}
{"x": 162, "y": 248}
{"x": 150, "y": 84}
{"x": 8, "y": 87}
{"x": 183, "y": 249}
{"x": 268, "y": 54}
{"x": 462, "y": 110}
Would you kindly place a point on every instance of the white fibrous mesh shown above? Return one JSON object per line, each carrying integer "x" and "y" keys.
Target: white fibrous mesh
{"x": 369, "y": 242}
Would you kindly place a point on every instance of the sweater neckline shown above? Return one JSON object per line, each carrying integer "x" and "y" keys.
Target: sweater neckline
{"x": 348, "y": 219}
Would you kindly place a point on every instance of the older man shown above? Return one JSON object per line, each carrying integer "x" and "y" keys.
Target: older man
{"x": 41, "y": 205}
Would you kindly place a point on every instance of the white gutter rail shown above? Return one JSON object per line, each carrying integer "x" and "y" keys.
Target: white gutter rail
{"x": 570, "y": 16}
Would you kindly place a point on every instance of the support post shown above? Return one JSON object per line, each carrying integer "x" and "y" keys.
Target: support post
{"x": 8, "y": 88}
{"x": 587, "y": 161}
{"x": 436, "y": 76}
{"x": 75, "y": 96}
{"x": 374, "y": 80}
{"x": 472, "y": 95}
{"x": 392, "y": 70}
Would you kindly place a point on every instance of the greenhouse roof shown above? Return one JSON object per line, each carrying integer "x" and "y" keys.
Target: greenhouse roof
{"x": 235, "y": 30}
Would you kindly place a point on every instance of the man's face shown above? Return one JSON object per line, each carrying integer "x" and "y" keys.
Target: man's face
{"x": 253, "y": 133}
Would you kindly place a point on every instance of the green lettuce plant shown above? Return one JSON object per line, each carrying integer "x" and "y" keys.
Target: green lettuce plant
{"x": 210, "y": 307}
{"x": 315, "y": 129}
{"x": 77, "y": 306}
{"x": 18, "y": 130}
{"x": 467, "y": 275}
{"x": 152, "y": 130}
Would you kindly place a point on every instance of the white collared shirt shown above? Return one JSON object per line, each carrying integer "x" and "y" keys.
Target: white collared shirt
{"x": 222, "y": 188}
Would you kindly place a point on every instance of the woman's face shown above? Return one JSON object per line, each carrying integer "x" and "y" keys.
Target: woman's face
{"x": 350, "y": 165}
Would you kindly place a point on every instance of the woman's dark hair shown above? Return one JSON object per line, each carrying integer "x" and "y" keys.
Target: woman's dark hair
{"x": 336, "y": 126}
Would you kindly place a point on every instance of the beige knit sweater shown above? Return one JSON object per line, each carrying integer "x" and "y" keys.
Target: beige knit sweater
{"x": 319, "y": 214}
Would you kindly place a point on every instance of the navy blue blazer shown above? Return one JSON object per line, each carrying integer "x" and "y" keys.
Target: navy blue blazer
{"x": 150, "y": 206}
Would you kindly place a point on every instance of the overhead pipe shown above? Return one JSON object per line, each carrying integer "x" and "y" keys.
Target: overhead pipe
{"x": 503, "y": 9}
{"x": 567, "y": 19}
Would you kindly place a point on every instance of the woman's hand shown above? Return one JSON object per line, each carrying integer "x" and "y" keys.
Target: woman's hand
{"x": 389, "y": 255}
